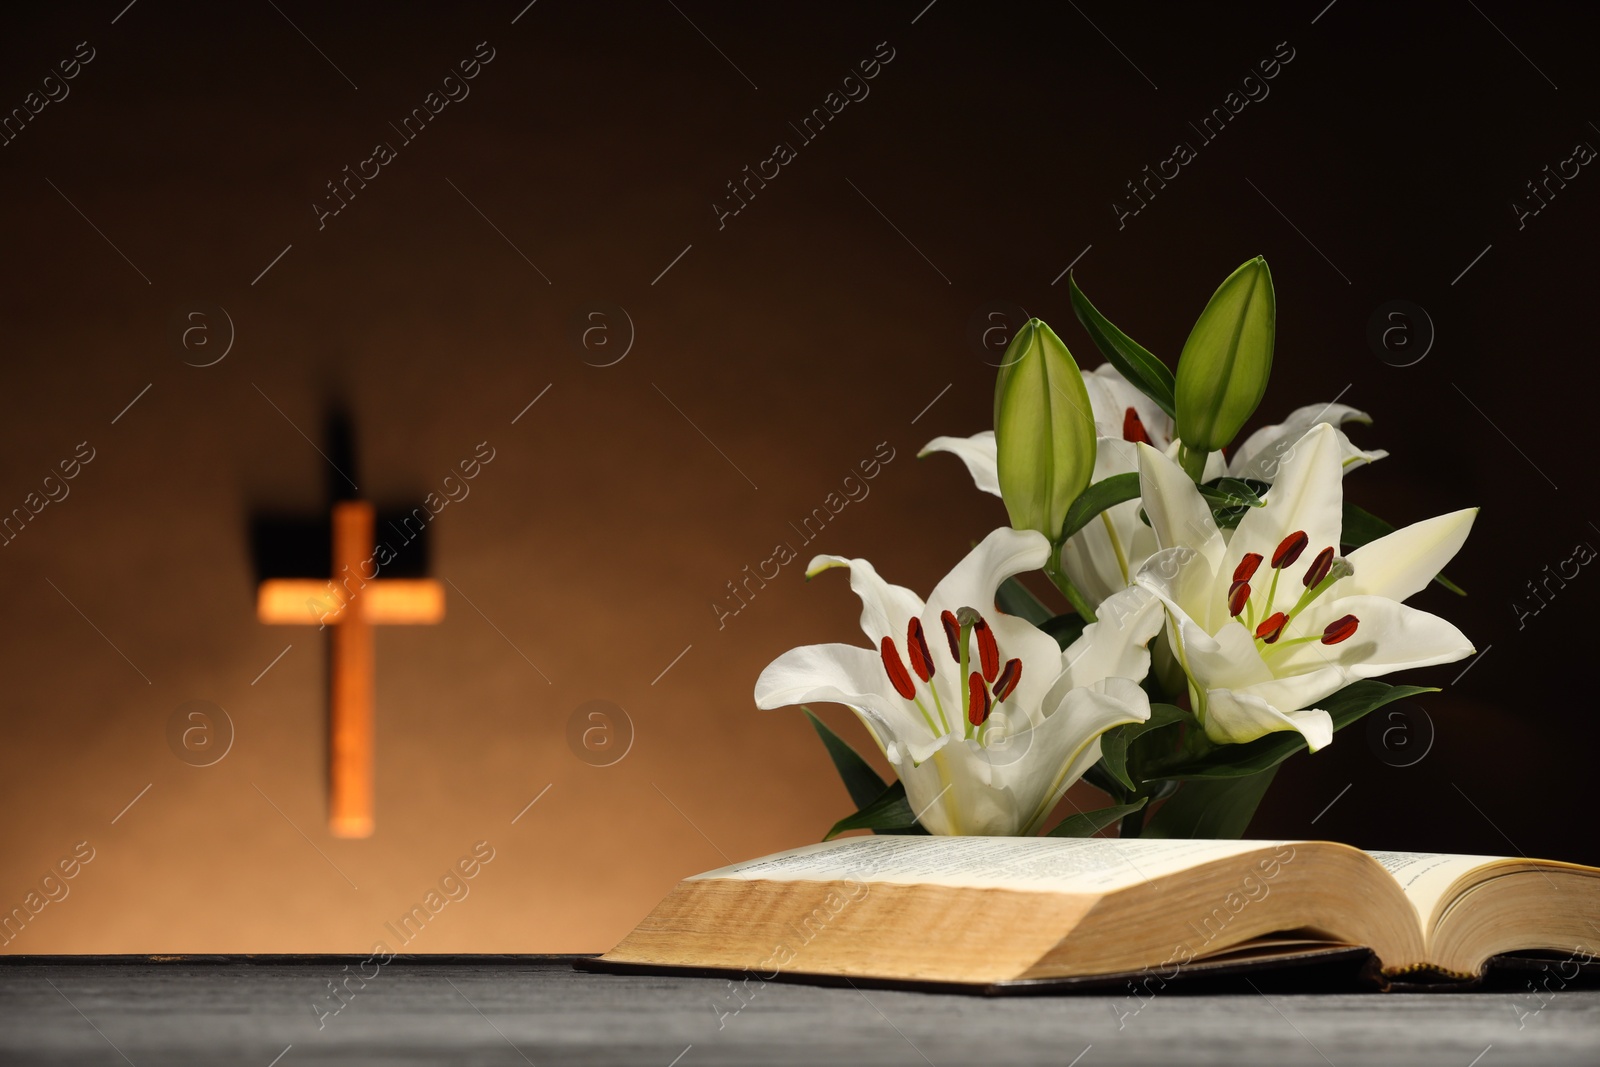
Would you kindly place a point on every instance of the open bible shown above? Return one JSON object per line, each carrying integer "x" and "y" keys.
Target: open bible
{"x": 993, "y": 912}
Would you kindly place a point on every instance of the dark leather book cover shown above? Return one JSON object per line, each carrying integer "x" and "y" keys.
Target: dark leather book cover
{"x": 1314, "y": 969}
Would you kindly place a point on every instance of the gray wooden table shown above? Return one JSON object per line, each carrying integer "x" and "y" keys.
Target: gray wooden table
{"x": 509, "y": 1011}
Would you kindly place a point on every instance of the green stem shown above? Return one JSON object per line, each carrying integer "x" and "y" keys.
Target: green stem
{"x": 964, "y": 690}
{"x": 1166, "y": 668}
{"x": 937, "y": 703}
{"x": 1132, "y": 824}
{"x": 926, "y": 717}
{"x": 1272, "y": 594}
{"x": 1058, "y": 578}
{"x": 1193, "y": 462}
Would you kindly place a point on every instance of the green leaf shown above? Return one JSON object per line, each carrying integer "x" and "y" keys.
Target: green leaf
{"x": 1234, "y": 492}
{"x": 1221, "y": 808}
{"x": 1102, "y": 779}
{"x": 1362, "y": 526}
{"x": 1065, "y": 628}
{"x": 1114, "y": 743}
{"x": 860, "y": 779}
{"x": 1106, "y": 493}
{"x": 1225, "y": 363}
{"x": 1088, "y": 823}
{"x": 1017, "y": 599}
{"x": 890, "y": 813}
{"x": 1148, "y": 374}
{"x": 1231, "y": 498}
{"x": 1236, "y": 761}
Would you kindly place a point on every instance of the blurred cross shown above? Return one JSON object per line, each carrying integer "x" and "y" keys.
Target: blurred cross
{"x": 351, "y": 602}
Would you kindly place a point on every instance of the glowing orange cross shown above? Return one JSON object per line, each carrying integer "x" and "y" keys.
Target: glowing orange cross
{"x": 352, "y": 602}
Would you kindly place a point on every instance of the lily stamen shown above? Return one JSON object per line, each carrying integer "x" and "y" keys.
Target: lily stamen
{"x": 917, "y": 650}
{"x": 901, "y": 679}
{"x": 1010, "y": 675}
{"x": 1283, "y": 556}
{"x": 1319, "y": 568}
{"x": 978, "y": 702}
{"x": 1337, "y": 568}
{"x": 988, "y": 650}
{"x": 1340, "y": 629}
{"x": 1271, "y": 627}
{"x": 1289, "y": 550}
{"x": 952, "y": 632}
{"x": 896, "y": 670}
{"x": 1240, "y": 592}
{"x": 921, "y": 657}
{"x": 988, "y": 684}
{"x": 1133, "y": 427}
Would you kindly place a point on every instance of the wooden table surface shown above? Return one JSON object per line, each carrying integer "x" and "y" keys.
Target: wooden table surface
{"x": 538, "y": 1010}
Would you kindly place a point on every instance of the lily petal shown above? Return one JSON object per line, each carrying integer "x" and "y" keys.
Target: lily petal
{"x": 1291, "y": 692}
{"x": 1263, "y": 451}
{"x": 1228, "y": 660}
{"x": 1115, "y": 645}
{"x": 978, "y": 452}
{"x": 846, "y": 674}
{"x": 1236, "y": 717}
{"x": 1178, "y": 514}
{"x": 1393, "y": 637}
{"x": 885, "y": 607}
{"x": 1352, "y": 457}
{"x": 1069, "y": 740}
{"x": 972, "y": 583}
{"x": 1402, "y": 563}
{"x": 950, "y": 795}
{"x": 1184, "y": 581}
{"x": 1308, "y": 496}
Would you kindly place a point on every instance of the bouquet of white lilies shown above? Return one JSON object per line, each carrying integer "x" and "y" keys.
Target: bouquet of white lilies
{"x": 1224, "y": 613}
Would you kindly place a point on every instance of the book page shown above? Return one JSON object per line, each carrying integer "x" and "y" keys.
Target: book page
{"x": 1426, "y": 877}
{"x": 1047, "y": 864}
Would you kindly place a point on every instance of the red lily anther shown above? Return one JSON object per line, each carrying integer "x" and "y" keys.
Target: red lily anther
{"x": 896, "y": 670}
{"x": 1238, "y": 597}
{"x": 988, "y": 650}
{"x": 977, "y": 699}
{"x": 952, "y": 633}
{"x": 1133, "y": 427}
{"x": 1271, "y": 627}
{"x": 1010, "y": 675}
{"x": 1319, "y": 569}
{"x": 1341, "y": 629}
{"x": 917, "y": 650}
{"x": 1289, "y": 550}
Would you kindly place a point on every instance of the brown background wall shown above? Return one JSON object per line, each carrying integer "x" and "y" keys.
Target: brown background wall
{"x": 797, "y": 338}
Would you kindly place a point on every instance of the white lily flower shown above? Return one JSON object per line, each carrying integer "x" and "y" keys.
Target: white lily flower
{"x": 1271, "y": 621}
{"x": 1104, "y": 556}
{"x": 983, "y": 717}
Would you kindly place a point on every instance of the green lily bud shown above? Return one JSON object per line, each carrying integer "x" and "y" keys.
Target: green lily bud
{"x": 1044, "y": 430}
{"x": 1222, "y": 373}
